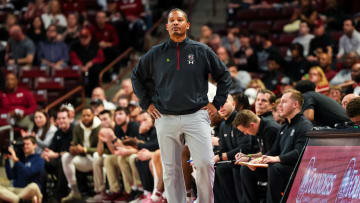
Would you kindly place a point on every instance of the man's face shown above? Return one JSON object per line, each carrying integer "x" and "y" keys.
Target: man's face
{"x": 29, "y": 147}
{"x": 11, "y": 82}
{"x": 319, "y": 31}
{"x": 63, "y": 121}
{"x": 286, "y": 106}
{"x": 262, "y": 103}
{"x": 15, "y": 33}
{"x": 87, "y": 117}
{"x": 106, "y": 121}
{"x": 250, "y": 130}
{"x": 85, "y": 40}
{"x": 222, "y": 54}
{"x": 304, "y": 29}
{"x": 228, "y": 107}
{"x": 127, "y": 87}
{"x": 120, "y": 118}
{"x": 324, "y": 60}
{"x": 206, "y": 31}
{"x": 100, "y": 18}
{"x": 348, "y": 27}
{"x": 97, "y": 94}
{"x": 355, "y": 72}
{"x": 177, "y": 24}
{"x": 123, "y": 102}
{"x": 51, "y": 33}
{"x": 146, "y": 123}
{"x": 233, "y": 71}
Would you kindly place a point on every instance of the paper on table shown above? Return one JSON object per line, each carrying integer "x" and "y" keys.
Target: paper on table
{"x": 252, "y": 164}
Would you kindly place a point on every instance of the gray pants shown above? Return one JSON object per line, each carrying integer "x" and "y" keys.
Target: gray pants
{"x": 194, "y": 130}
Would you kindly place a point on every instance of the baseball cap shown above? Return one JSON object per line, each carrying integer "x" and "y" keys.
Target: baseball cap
{"x": 68, "y": 106}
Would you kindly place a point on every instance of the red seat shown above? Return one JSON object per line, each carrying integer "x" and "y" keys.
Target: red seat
{"x": 283, "y": 50}
{"x": 33, "y": 73}
{"x": 55, "y": 84}
{"x": 270, "y": 13}
{"x": 67, "y": 73}
{"x": 258, "y": 26}
{"x": 247, "y": 15}
{"x": 279, "y": 25}
{"x": 41, "y": 96}
{"x": 287, "y": 12}
{"x": 285, "y": 39}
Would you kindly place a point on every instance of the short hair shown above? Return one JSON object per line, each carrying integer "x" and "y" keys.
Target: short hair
{"x": 105, "y": 112}
{"x": 353, "y": 108}
{"x": 351, "y": 19}
{"x": 241, "y": 100}
{"x": 31, "y": 138}
{"x": 124, "y": 109}
{"x": 179, "y": 10}
{"x": 89, "y": 108}
{"x": 305, "y": 86}
{"x": 296, "y": 95}
{"x": 244, "y": 118}
{"x": 64, "y": 110}
{"x": 298, "y": 47}
{"x": 266, "y": 91}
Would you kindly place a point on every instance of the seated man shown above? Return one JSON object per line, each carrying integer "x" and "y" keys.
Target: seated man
{"x": 80, "y": 155}
{"x": 264, "y": 103}
{"x": 59, "y": 145}
{"x": 20, "y": 49}
{"x": 53, "y": 53}
{"x": 89, "y": 57}
{"x": 16, "y": 103}
{"x": 28, "y": 170}
{"x": 283, "y": 155}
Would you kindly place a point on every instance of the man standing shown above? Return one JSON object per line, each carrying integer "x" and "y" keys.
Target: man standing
{"x": 171, "y": 81}
{"x": 283, "y": 155}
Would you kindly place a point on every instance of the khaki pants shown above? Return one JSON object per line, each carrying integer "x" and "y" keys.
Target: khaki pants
{"x": 98, "y": 171}
{"x": 113, "y": 172}
{"x": 13, "y": 195}
{"x": 129, "y": 171}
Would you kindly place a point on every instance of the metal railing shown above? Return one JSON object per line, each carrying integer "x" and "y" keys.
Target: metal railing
{"x": 58, "y": 101}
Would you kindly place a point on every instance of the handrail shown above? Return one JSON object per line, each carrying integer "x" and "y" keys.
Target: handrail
{"x": 79, "y": 88}
{"x": 8, "y": 127}
{"x": 342, "y": 85}
{"x": 108, "y": 67}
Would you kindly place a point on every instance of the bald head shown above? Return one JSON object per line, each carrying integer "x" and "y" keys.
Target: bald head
{"x": 16, "y": 32}
{"x": 347, "y": 99}
{"x": 98, "y": 93}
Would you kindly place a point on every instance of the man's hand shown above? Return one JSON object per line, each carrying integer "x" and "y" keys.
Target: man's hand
{"x": 153, "y": 111}
{"x": 215, "y": 141}
{"x": 106, "y": 135}
{"x": 12, "y": 155}
{"x": 144, "y": 155}
{"x": 240, "y": 157}
{"x": 210, "y": 108}
{"x": 122, "y": 151}
{"x": 270, "y": 159}
{"x": 216, "y": 159}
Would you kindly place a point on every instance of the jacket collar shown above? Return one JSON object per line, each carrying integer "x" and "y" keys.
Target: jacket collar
{"x": 295, "y": 119}
{"x": 231, "y": 117}
{"x": 174, "y": 44}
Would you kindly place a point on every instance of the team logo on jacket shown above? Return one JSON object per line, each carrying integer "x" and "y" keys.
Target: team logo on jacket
{"x": 191, "y": 58}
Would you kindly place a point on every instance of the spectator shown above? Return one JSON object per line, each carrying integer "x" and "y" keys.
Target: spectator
{"x": 298, "y": 66}
{"x": 284, "y": 154}
{"x": 353, "y": 110}
{"x": 97, "y": 106}
{"x": 54, "y": 16}
{"x": 59, "y": 145}
{"x": 11, "y": 20}
{"x": 321, "y": 43}
{"x": 123, "y": 101}
{"x": 317, "y": 76}
{"x": 236, "y": 86}
{"x": 19, "y": 103}
{"x": 224, "y": 56}
{"x": 125, "y": 90}
{"x": 99, "y": 93}
{"x": 37, "y": 31}
{"x": 20, "y": 50}
{"x": 53, "y": 53}
{"x": 263, "y": 51}
{"x": 344, "y": 74}
{"x": 304, "y": 38}
{"x": 206, "y": 33}
{"x": 71, "y": 34}
{"x": 81, "y": 153}
{"x": 355, "y": 76}
{"x": 106, "y": 36}
{"x": 245, "y": 57}
{"x": 214, "y": 41}
{"x": 335, "y": 94}
{"x": 231, "y": 141}
{"x": 28, "y": 170}
{"x": 274, "y": 73}
{"x": 326, "y": 65}
{"x": 135, "y": 110}
{"x": 231, "y": 42}
{"x": 264, "y": 103}
{"x": 276, "y": 112}
{"x": 35, "y": 9}
{"x": 241, "y": 101}
{"x": 256, "y": 84}
{"x": 318, "y": 108}
{"x": 265, "y": 131}
{"x": 43, "y": 131}
{"x": 87, "y": 55}
{"x": 350, "y": 40}
{"x": 71, "y": 110}
{"x": 347, "y": 98}
{"x": 31, "y": 193}
{"x": 304, "y": 12}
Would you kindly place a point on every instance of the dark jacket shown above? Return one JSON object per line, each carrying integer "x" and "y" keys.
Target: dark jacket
{"x": 61, "y": 141}
{"x": 26, "y": 171}
{"x": 174, "y": 77}
{"x": 78, "y": 136}
{"x": 150, "y": 140}
{"x": 231, "y": 140}
{"x": 267, "y": 133}
{"x": 291, "y": 139}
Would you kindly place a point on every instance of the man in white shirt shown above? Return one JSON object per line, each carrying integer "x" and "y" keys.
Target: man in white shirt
{"x": 350, "y": 40}
{"x": 304, "y": 38}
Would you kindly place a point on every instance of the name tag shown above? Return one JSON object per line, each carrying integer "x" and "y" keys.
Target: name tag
{"x": 20, "y": 94}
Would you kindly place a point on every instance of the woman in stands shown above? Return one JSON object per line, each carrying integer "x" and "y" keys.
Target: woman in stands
{"x": 37, "y": 31}
{"x": 317, "y": 76}
{"x": 72, "y": 31}
{"x": 43, "y": 130}
{"x": 54, "y": 15}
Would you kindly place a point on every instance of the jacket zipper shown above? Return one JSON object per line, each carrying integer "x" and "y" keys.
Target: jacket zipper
{"x": 178, "y": 56}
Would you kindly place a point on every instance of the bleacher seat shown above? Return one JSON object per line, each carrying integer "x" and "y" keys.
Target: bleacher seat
{"x": 247, "y": 15}
{"x": 258, "y": 26}
{"x": 270, "y": 13}
{"x": 278, "y": 25}
{"x": 285, "y": 39}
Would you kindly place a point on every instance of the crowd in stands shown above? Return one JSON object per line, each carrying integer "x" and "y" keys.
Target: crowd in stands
{"x": 277, "y": 95}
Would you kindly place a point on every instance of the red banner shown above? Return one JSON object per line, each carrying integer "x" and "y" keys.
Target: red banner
{"x": 327, "y": 174}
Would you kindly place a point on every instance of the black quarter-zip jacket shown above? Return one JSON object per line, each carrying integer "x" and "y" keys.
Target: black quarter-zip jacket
{"x": 174, "y": 77}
